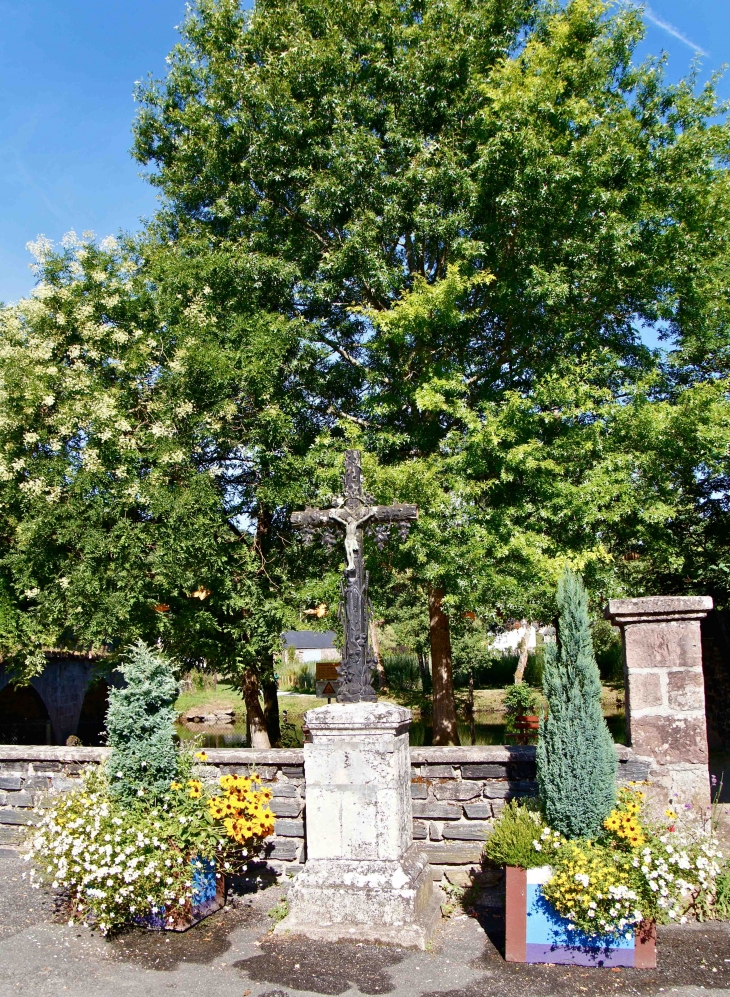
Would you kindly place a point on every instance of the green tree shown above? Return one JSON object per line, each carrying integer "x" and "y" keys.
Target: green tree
{"x": 458, "y": 202}
{"x": 137, "y": 423}
{"x": 576, "y": 757}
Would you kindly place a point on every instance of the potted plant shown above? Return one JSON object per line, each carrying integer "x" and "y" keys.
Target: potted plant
{"x": 588, "y": 874}
{"x": 144, "y": 840}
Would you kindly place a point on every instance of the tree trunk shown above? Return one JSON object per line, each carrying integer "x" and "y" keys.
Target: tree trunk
{"x": 521, "y": 661}
{"x": 270, "y": 689}
{"x": 379, "y": 667}
{"x": 255, "y": 715}
{"x": 425, "y": 670}
{"x": 445, "y": 730}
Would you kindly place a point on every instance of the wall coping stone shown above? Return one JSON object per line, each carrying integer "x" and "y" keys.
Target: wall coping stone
{"x": 494, "y": 753}
{"x": 658, "y": 609}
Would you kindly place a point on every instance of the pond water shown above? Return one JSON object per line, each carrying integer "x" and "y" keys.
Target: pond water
{"x": 421, "y": 734}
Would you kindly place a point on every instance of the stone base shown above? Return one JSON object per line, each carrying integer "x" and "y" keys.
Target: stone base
{"x": 391, "y": 902}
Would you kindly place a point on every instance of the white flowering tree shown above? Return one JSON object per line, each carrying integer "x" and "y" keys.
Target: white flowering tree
{"x": 136, "y": 426}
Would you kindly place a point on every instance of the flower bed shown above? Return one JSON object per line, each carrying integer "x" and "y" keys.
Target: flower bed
{"x": 597, "y": 902}
{"x": 160, "y": 864}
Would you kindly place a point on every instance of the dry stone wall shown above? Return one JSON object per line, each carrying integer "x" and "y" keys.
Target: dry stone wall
{"x": 456, "y": 794}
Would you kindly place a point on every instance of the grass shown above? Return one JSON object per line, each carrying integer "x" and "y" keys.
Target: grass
{"x": 225, "y": 697}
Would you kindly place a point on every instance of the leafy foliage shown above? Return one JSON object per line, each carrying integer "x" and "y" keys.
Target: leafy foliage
{"x": 434, "y": 230}
{"x": 512, "y": 840}
{"x": 576, "y": 758}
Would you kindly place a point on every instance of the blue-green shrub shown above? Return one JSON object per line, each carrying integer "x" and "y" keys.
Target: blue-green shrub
{"x": 576, "y": 758}
{"x": 140, "y": 723}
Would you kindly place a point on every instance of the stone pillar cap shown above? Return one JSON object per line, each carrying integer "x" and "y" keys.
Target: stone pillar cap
{"x": 358, "y": 717}
{"x": 658, "y": 609}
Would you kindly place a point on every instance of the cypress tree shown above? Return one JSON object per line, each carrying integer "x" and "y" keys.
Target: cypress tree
{"x": 140, "y": 723}
{"x": 576, "y": 758}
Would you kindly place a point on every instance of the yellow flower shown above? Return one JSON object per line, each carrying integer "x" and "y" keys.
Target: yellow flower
{"x": 175, "y": 785}
{"x": 201, "y": 756}
{"x": 671, "y": 814}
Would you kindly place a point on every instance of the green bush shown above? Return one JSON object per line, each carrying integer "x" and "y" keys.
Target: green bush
{"x": 534, "y": 667}
{"x": 140, "y": 724}
{"x": 521, "y": 699}
{"x": 512, "y": 842}
{"x": 576, "y": 757}
{"x": 609, "y": 652}
{"x": 402, "y": 672}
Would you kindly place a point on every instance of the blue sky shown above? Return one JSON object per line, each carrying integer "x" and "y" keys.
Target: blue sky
{"x": 67, "y": 71}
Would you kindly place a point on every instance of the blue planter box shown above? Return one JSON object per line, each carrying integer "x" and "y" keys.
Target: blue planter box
{"x": 208, "y": 896}
{"x": 536, "y": 933}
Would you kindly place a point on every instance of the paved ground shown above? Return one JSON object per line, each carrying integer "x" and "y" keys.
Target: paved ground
{"x": 232, "y": 955}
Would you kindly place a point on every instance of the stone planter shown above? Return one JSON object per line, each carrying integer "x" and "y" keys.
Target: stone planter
{"x": 536, "y": 933}
{"x": 208, "y": 897}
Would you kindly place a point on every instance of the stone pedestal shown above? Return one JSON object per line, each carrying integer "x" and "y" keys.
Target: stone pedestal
{"x": 665, "y": 694}
{"x": 364, "y": 878}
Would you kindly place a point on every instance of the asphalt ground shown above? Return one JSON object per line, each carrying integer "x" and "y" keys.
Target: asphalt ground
{"x": 232, "y": 954}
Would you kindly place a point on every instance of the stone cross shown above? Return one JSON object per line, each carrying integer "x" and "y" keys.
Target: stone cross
{"x": 352, "y": 515}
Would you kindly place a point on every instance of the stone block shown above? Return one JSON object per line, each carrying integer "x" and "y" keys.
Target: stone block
{"x": 16, "y": 817}
{"x": 508, "y": 790}
{"x": 293, "y": 771}
{"x": 40, "y": 782}
{"x": 419, "y": 791}
{"x": 467, "y": 831}
{"x": 9, "y": 853}
{"x": 266, "y": 771}
{"x": 645, "y": 690}
{"x": 478, "y": 811}
{"x": 11, "y": 782}
{"x": 461, "y": 878}
{"x": 20, "y": 799}
{"x": 420, "y": 833}
{"x": 10, "y": 835}
{"x": 434, "y": 831}
{"x": 282, "y": 848}
{"x": 685, "y": 689}
{"x": 436, "y": 811}
{"x": 670, "y": 739}
{"x": 290, "y": 828}
{"x": 3, "y": 798}
{"x": 285, "y": 807}
{"x": 483, "y": 771}
{"x": 282, "y": 790}
{"x": 453, "y": 853}
{"x": 457, "y": 790}
{"x": 634, "y": 770}
{"x": 62, "y": 784}
{"x": 439, "y": 771}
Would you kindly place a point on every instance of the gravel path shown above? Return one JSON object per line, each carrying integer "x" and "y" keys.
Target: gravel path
{"x": 231, "y": 954}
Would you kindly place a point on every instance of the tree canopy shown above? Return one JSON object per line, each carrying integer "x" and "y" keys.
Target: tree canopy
{"x": 433, "y": 229}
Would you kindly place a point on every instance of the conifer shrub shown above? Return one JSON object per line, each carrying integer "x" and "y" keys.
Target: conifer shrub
{"x": 140, "y": 724}
{"x": 576, "y": 757}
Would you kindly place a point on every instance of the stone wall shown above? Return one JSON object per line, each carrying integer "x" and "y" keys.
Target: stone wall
{"x": 456, "y": 793}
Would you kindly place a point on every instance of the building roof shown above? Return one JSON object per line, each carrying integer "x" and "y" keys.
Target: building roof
{"x": 307, "y": 639}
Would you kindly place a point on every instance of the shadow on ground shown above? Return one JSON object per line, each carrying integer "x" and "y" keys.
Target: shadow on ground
{"x": 691, "y": 955}
{"x": 323, "y": 968}
{"x": 201, "y": 944}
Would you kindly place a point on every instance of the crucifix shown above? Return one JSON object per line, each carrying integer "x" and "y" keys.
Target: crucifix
{"x": 352, "y": 515}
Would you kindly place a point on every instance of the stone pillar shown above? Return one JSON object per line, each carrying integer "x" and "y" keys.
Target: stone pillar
{"x": 364, "y": 877}
{"x": 665, "y": 694}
